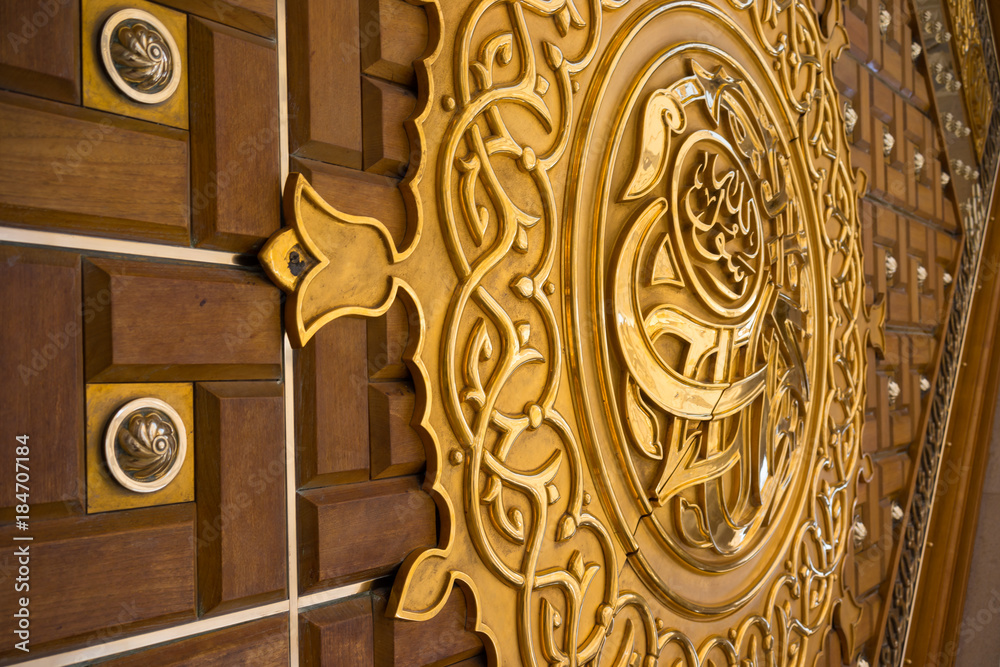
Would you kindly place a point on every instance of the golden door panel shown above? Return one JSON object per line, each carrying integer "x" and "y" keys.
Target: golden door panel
{"x": 637, "y": 333}
{"x": 619, "y": 325}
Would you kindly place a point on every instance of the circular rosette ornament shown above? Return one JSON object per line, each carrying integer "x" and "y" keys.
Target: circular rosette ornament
{"x": 140, "y": 56}
{"x": 145, "y": 445}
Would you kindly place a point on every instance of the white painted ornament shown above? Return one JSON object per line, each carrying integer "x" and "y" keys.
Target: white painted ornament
{"x": 891, "y": 266}
{"x": 888, "y": 142}
{"x": 850, "y": 117}
{"x": 860, "y": 533}
{"x": 893, "y": 392}
{"x": 884, "y": 19}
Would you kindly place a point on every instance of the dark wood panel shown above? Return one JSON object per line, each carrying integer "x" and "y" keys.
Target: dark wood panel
{"x": 235, "y": 168}
{"x": 41, "y": 368}
{"x": 173, "y": 322}
{"x": 91, "y": 172}
{"x": 393, "y": 35}
{"x": 256, "y": 16}
{"x": 358, "y": 193}
{"x": 388, "y": 337}
{"x": 324, "y": 85}
{"x": 262, "y": 643}
{"x": 338, "y": 635}
{"x": 396, "y": 447}
{"x": 40, "y": 49}
{"x": 240, "y": 451}
{"x": 386, "y": 146}
{"x": 331, "y": 405}
{"x": 442, "y": 640}
{"x": 101, "y": 577}
{"x": 358, "y": 531}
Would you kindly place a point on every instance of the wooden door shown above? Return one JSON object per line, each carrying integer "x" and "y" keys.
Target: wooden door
{"x": 349, "y": 284}
{"x": 125, "y": 219}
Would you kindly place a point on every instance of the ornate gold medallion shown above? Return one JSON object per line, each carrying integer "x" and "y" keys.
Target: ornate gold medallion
{"x": 634, "y": 256}
{"x": 707, "y": 296}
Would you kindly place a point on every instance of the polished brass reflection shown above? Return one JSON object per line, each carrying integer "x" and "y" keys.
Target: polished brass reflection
{"x": 140, "y": 56}
{"x": 634, "y": 261}
{"x": 145, "y": 445}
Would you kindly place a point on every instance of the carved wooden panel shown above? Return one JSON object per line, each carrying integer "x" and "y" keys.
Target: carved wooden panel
{"x": 338, "y": 634}
{"x": 234, "y": 130}
{"x": 254, "y": 16}
{"x": 168, "y": 322}
{"x": 42, "y": 366}
{"x": 557, "y": 488}
{"x": 393, "y": 35}
{"x": 324, "y": 81}
{"x": 158, "y": 545}
{"x": 396, "y": 448}
{"x": 445, "y": 640}
{"x": 910, "y": 236}
{"x": 331, "y": 407}
{"x": 40, "y": 52}
{"x": 94, "y": 149}
{"x": 100, "y": 164}
{"x": 337, "y": 542}
{"x": 241, "y": 500}
{"x": 386, "y": 106}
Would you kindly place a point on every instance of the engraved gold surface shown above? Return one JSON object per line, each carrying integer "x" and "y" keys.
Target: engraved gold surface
{"x": 976, "y": 84}
{"x": 634, "y": 254}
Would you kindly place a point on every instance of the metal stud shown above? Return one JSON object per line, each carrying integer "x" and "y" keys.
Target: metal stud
{"x": 145, "y": 445}
{"x": 140, "y": 56}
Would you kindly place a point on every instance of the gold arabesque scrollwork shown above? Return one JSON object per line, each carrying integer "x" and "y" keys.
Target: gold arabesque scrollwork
{"x": 640, "y": 343}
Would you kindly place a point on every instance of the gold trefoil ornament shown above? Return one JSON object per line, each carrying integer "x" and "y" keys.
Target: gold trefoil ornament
{"x": 634, "y": 264}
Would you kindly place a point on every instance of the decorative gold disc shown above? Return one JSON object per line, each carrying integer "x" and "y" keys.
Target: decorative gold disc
{"x": 140, "y": 56}
{"x": 145, "y": 445}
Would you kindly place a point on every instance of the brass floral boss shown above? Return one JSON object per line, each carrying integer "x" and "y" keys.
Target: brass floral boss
{"x": 145, "y": 445}
{"x": 140, "y": 56}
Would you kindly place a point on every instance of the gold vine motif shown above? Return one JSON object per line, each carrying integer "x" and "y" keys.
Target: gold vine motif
{"x": 640, "y": 359}
{"x": 971, "y": 59}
